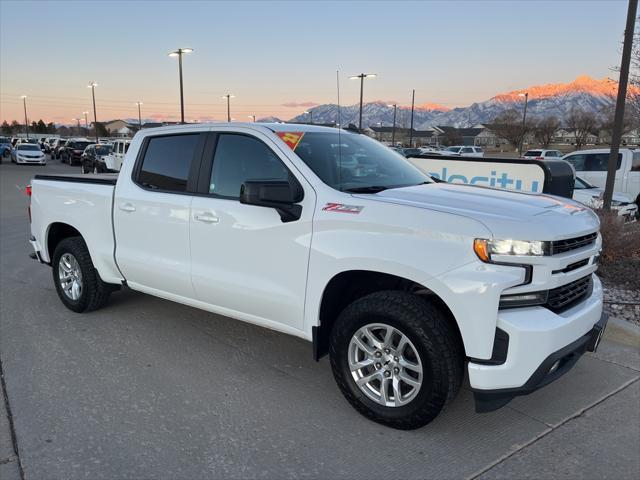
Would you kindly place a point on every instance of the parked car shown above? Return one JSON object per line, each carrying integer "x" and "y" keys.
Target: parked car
{"x": 73, "y": 150}
{"x": 5, "y": 147}
{"x": 464, "y": 151}
{"x": 591, "y": 165}
{"x": 93, "y": 159}
{"x": 592, "y": 196}
{"x": 48, "y": 143}
{"x": 404, "y": 282}
{"x": 28, "y": 153}
{"x": 541, "y": 154}
{"x": 58, "y": 145}
{"x": 410, "y": 152}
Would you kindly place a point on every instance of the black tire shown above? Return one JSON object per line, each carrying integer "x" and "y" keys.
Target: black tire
{"x": 95, "y": 293}
{"x": 437, "y": 344}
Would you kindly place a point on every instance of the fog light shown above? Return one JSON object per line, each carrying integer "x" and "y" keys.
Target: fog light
{"x": 523, "y": 299}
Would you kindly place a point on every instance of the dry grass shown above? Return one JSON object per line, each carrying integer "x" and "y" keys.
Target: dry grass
{"x": 620, "y": 240}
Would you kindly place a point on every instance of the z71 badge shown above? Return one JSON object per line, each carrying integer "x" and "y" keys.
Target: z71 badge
{"x": 341, "y": 208}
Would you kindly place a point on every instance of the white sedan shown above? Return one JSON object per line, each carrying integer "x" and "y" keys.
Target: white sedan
{"x": 28, "y": 153}
{"x": 592, "y": 196}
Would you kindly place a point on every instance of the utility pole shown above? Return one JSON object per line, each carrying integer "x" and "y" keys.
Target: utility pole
{"x": 26, "y": 122}
{"x": 393, "y": 130}
{"x": 139, "y": 116}
{"x": 618, "y": 120}
{"x": 413, "y": 100}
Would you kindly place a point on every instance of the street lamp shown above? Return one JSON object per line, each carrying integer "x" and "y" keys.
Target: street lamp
{"x": 379, "y": 124}
{"x": 139, "y": 114}
{"x": 310, "y": 113}
{"x": 362, "y": 76}
{"x": 26, "y": 122}
{"x": 93, "y": 86}
{"x": 228, "y": 96}
{"x": 393, "y": 131}
{"x": 524, "y": 119}
{"x": 178, "y": 53}
{"x": 254, "y": 118}
{"x": 86, "y": 120}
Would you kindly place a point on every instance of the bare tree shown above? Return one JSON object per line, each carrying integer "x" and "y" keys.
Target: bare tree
{"x": 583, "y": 124}
{"x": 606, "y": 121}
{"x": 545, "y": 130}
{"x": 508, "y": 125}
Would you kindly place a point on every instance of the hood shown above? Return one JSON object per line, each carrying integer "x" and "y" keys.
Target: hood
{"x": 506, "y": 214}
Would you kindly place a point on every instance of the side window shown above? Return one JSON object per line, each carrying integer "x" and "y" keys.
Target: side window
{"x": 579, "y": 162}
{"x": 635, "y": 162}
{"x": 167, "y": 161}
{"x": 597, "y": 162}
{"x": 467, "y": 150}
{"x": 239, "y": 158}
{"x": 126, "y": 147}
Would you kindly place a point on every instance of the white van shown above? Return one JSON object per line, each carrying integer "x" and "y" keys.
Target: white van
{"x": 591, "y": 165}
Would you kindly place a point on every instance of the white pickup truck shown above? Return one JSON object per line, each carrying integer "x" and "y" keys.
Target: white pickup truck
{"x": 330, "y": 236}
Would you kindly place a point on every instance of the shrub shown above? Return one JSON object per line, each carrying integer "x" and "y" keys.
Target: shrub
{"x": 620, "y": 240}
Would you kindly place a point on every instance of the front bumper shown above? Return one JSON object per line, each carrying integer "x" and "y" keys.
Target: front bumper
{"x": 535, "y": 335}
{"x": 34, "y": 161}
{"x": 552, "y": 368}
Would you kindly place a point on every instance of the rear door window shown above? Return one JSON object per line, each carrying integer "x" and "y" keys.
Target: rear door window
{"x": 167, "y": 162}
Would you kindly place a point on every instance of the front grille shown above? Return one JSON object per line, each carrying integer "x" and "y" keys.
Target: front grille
{"x": 561, "y": 246}
{"x": 564, "y": 297}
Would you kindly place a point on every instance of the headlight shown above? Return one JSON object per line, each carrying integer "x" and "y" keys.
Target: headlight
{"x": 485, "y": 248}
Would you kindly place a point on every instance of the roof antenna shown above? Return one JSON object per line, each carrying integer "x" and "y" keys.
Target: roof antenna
{"x": 339, "y": 128}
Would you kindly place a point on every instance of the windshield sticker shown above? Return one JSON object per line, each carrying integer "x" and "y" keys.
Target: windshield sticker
{"x": 341, "y": 208}
{"x": 292, "y": 139}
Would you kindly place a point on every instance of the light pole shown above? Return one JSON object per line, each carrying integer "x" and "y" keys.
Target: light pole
{"x": 393, "y": 131}
{"x": 86, "y": 120}
{"x": 310, "y": 113}
{"x": 139, "y": 115}
{"x": 79, "y": 128}
{"x": 413, "y": 101}
{"x": 254, "y": 118}
{"x": 93, "y": 86}
{"x": 379, "y": 124}
{"x": 228, "y": 96}
{"x": 178, "y": 53}
{"x": 26, "y": 122}
{"x": 524, "y": 119}
{"x": 362, "y": 76}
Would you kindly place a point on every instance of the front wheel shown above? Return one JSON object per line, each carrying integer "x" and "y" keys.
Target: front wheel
{"x": 77, "y": 281}
{"x": 396, "y": 358}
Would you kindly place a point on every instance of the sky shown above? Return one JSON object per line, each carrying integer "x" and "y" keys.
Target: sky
{"x": 280, "y": 58}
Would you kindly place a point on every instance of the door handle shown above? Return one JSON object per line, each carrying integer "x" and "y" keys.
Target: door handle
{"x": 206, "y": 218}
{"x": 127, "y": 207}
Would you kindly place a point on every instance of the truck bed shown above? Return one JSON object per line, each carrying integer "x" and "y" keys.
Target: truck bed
{"x": 83, "y": 202}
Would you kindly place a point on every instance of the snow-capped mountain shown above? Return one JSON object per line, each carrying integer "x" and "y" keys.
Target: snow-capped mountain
{"x": 544, "y": 100}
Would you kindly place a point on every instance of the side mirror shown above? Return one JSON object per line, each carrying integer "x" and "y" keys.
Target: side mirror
{"x": 282, "y": 195}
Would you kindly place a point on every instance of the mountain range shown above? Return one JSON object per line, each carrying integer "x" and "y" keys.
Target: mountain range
{"x": 555, "y": 99}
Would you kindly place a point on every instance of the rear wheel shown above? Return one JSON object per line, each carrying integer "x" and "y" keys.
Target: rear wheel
{"x": 396, "y": 358}
{"x": 77, "y": 281}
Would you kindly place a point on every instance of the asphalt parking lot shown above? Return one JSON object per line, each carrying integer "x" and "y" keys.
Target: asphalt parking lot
{"x": 145, "y": 388}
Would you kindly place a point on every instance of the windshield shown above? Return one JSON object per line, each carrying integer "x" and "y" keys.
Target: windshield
{"x": 350, "y": 162}
{"x": 581, "y": 184}
{"x": 79, "y": 145}
{"x": 533, "y": 153}
{"x": 453, "y": 149}
{"x": 103, "y": 149}
{"x": 28, "y": 146}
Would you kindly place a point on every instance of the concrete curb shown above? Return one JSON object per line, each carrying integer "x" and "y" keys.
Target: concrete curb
{"x": 621, "y": 331}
